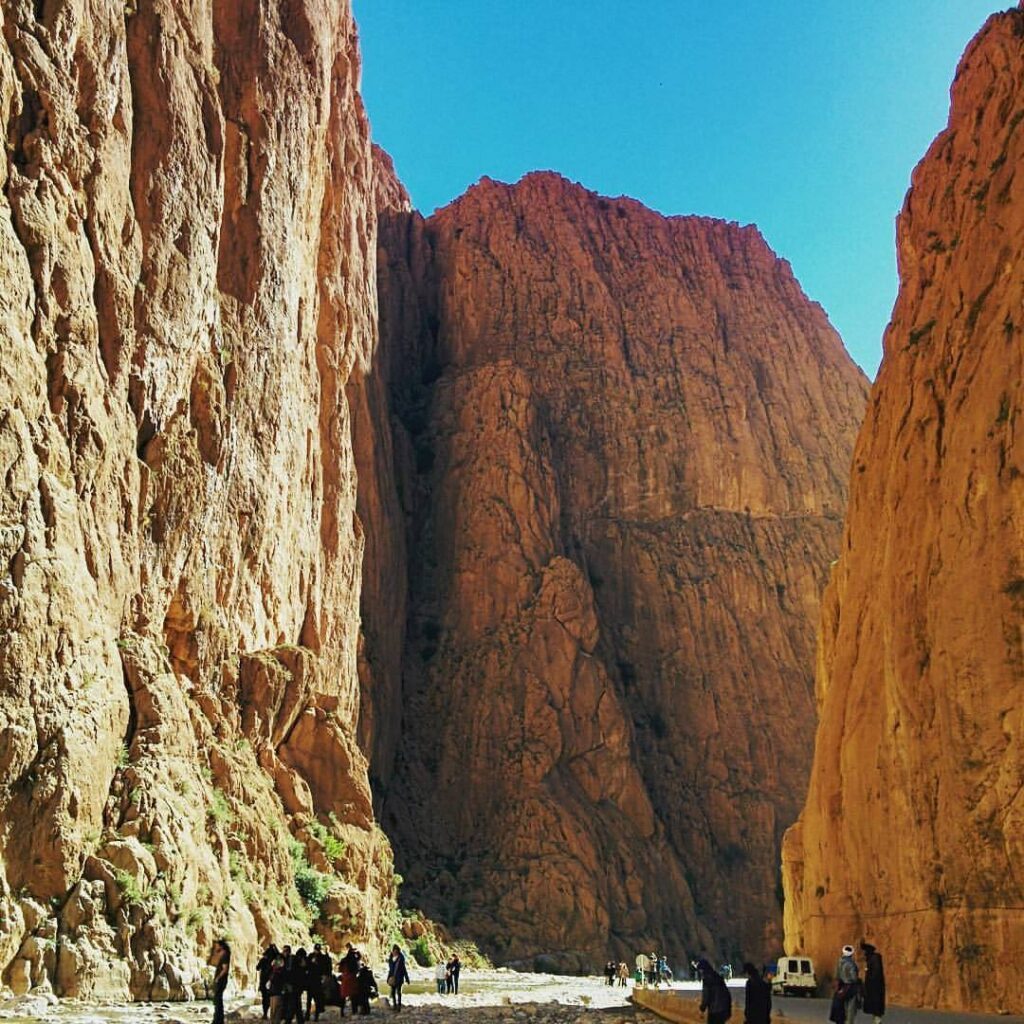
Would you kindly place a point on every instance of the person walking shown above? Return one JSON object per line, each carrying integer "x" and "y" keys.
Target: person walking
{"x": 757, "y": 1007}
{"x": 275, "y": 988}
{"x": 221, "y": 970}
{"x": 366, "y": 989}
{"x": 441, "y": 977}
{"x": 714, "y": 994}
{"x": 294, "y": 986}
{"x": 314, "y": 982}
{"x": 848, "y": 984}
{"x": 455, "y": 971}
{"x": 263, "y": 968}
{"x": 398, "y": 975}
{"x": 874, "y": 983}
{"x": 348, "y": 967}
{"x": 623, "y": 974}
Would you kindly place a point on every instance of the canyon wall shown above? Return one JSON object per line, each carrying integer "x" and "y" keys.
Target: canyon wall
{"x": 187, "y": 280}
{"x": 912, "y": 832}
{"x": 621, "y": 445}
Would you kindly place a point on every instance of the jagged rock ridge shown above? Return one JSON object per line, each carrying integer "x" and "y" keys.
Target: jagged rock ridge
{"x": 187, "y": 278}
{"x": 620, "y": 445}
{"x": 912, "y": 829}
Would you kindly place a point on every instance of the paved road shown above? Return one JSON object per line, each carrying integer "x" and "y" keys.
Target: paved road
{"x": 815, "y": 1011}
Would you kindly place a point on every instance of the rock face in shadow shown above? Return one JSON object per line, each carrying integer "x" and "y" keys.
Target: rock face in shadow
{"x": 187, "y": 278}
{"x": 621, "y": 444}
{"x": 912, "y": 830}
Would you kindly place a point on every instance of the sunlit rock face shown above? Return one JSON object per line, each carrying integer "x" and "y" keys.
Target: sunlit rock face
{"x": 912, "y": 830}
{"x": 620, "y": 445}
{"x": 187, "y": 279}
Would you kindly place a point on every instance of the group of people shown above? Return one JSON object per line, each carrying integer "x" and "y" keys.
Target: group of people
{"x": 446, "y": 974}
{"x": 299, "y": 986}
{"x": 616, "y": 972}
{"x": 854, "y": 993}
{"x": 716, "y": 1000}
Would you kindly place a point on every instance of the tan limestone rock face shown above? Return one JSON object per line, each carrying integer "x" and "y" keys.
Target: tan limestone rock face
{"x": 911, "y": 834}
{"x": 622, "y": 444}
{"x": 187, "y": 278}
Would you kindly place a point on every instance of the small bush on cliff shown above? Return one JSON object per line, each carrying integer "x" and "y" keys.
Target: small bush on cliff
{"x": 131, "y": 891}
{"x": 420, "y": 950}
{"x": 312, "y": 885}
{"x": 219, "y": 811}
{"x": 333, "y": 847}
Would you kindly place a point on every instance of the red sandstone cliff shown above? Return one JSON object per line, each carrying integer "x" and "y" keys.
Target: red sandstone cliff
{"x": 187, "y": 278}
{"x": 622, "y": 445}
{"x": 911, "y": 834}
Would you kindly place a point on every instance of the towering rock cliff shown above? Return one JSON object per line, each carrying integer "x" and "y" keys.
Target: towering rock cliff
{"x": 912, "y": 830}
{"x": 621, "y": 446}
{"x": 187, "y": 279}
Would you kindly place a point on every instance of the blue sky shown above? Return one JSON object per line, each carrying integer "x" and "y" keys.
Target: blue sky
{"x": 804, "y": 117}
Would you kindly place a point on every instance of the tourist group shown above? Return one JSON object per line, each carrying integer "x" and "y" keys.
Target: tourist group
{"x": 299, "y": 986}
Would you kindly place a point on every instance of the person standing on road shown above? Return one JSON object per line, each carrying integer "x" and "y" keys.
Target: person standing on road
{"x": 848, "y": 984}
{"x": 757, "y": 1009}
{"x": 714, "y": 994}
{"x": 874, "y": 983}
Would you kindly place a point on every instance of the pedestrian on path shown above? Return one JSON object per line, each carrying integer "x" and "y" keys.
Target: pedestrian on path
{"x": 714, "y": 995}
{"x": 757, "y": 1009}
{"x": 398, "y": 975}
{"x": 874, "y": 983}
{"x": 848, "y": 985}
{"x": 221, "y": 970}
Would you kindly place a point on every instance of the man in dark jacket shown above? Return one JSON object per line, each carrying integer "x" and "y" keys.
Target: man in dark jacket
{"x": 874, "y": 983}
{"x": 294, "y": 986}
{"x": 317, "y": 965}
{"x": 714, "y": 995}
{"x": 758, "y": 1006}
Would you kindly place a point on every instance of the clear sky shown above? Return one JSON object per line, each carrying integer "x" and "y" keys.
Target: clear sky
{"x": 804, "y": 117}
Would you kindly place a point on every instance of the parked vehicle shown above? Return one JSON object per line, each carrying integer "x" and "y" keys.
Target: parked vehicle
{"x": 794, "y": 976}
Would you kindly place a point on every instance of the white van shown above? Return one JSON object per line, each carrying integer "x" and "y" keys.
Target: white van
{"x": 794, "y": 976}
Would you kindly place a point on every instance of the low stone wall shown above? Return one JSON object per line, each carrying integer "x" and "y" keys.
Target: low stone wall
{"x": 679, "y": 1007}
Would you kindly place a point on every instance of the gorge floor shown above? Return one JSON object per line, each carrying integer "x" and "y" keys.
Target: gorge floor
{"x": 491, "y": 997}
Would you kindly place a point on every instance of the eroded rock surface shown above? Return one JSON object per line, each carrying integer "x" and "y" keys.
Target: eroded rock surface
{"x": 621, "y": 445}
{"x": 912, "y": 830}
{"x": 187, "y": 278}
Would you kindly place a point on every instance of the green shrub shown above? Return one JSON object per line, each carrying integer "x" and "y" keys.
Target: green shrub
{"x": 196, "y": 919}
{"x": 420, "y": 950}
{"x": 333, "y": 846}
{"x": 132, "y": 892}
{"x": 312, "y": 886}
{"x": 219, "y": 810}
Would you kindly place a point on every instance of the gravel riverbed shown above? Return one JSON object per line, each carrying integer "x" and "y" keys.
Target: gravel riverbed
{"x": 486, "y": 997}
